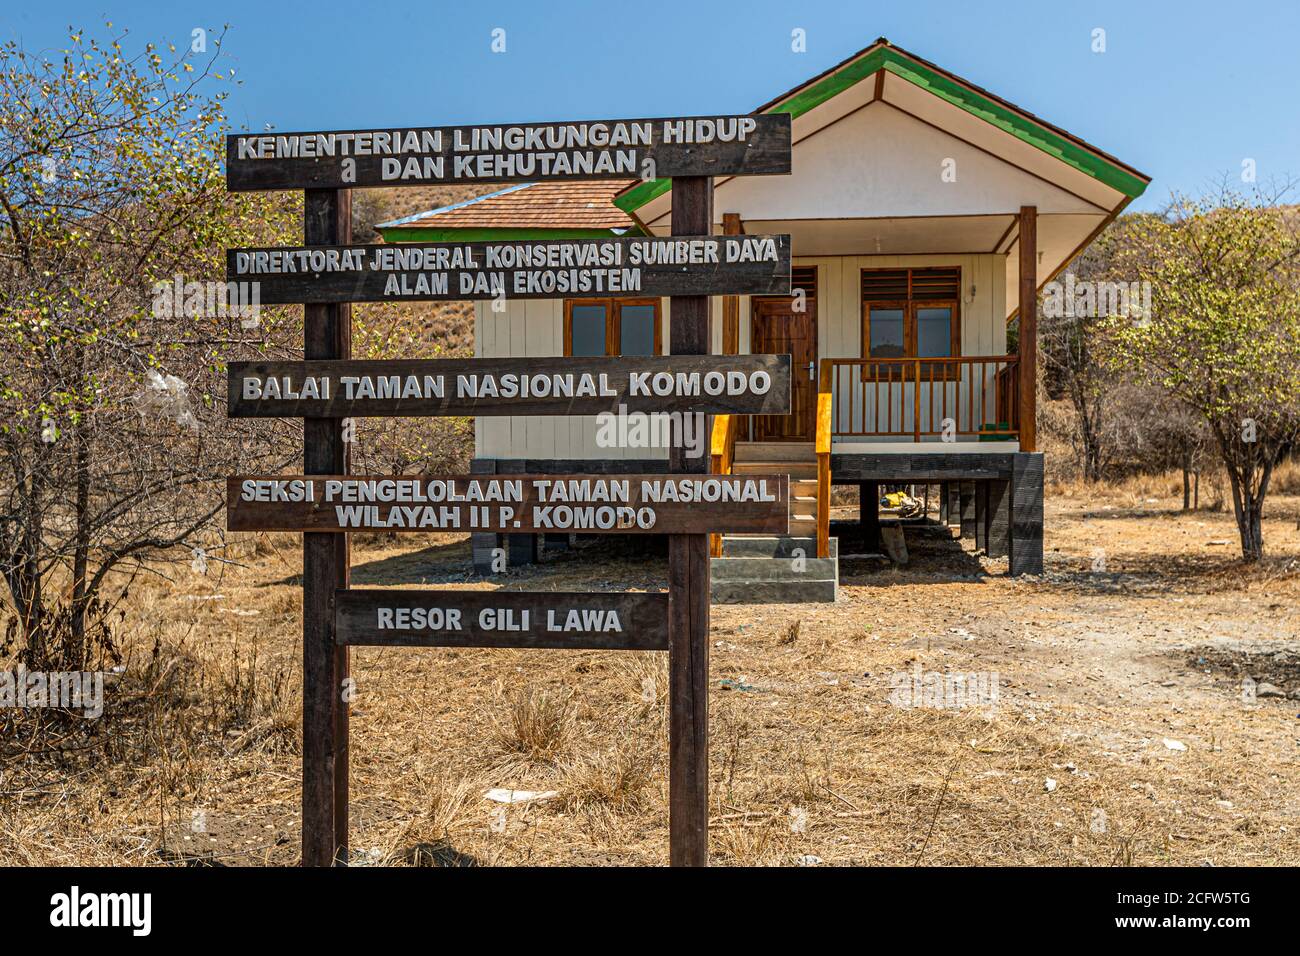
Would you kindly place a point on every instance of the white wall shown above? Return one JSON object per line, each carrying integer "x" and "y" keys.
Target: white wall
{"x": 880, "y": 162}
{"x": 535, "y": 327}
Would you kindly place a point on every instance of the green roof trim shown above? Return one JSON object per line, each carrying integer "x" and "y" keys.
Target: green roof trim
{"x": 430, "y": 234}
{"x": 903, "y": 66}
{"x": 833, "y": 85}
{"x": 1018, "y": 126}
{"x": 642, "y": 193}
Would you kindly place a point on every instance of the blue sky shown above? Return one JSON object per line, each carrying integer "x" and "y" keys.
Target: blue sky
{"x": 1184, "y": 91}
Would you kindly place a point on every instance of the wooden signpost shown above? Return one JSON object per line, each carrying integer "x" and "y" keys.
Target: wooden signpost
{"x": 514, "y": 504}
{"x": 599, "y": 149}
{"x": 574, "y": 621}
{"x": 328, "y": 272}
{"x": 550, "y": 269}
{"x": 725, "y": 385}
{"x": 688, "y": 582}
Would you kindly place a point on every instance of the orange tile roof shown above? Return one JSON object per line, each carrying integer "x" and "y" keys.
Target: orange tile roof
{"x": 548, "y": 205}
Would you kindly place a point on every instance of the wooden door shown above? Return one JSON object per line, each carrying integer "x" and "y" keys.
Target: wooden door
{"x": 777, "y": 329}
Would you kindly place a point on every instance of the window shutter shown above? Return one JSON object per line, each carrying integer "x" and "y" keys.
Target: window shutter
{"x": 936, "y": 283}
{"x": 884, "y": 285}
{"x": 804, "y": 277}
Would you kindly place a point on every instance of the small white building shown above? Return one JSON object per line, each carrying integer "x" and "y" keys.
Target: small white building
{"x": 915, "y": 200}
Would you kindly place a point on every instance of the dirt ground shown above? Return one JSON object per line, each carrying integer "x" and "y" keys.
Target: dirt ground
{"x": 1133, "y": 720}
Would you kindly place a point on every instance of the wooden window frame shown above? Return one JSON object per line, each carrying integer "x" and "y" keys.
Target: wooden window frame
{"x": 613, "y": 322}
{"x": 943, "y": 370}
{"x": 871, "y": 373}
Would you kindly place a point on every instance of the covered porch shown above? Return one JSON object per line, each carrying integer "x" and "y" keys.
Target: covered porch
{"x": 900, "y": 362}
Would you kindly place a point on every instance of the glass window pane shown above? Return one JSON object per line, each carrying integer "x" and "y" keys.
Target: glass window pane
{"x": 588, "y": 329}
{"x": 933, "y": 331}
{"x": 637, "y": 330}
{"x": 886, "y": 333}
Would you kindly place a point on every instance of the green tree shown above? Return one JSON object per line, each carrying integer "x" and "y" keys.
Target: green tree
{"x": 1224, "y": 339}
{"x": 113, "y": 437}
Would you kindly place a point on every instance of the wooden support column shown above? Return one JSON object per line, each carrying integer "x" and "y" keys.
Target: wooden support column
{"x": 966, "y": 509}
{"x": 688, "y": 580}
{"x": 1028, "y": 364}
{"x": 869, "y": 515}
{"x": 521, "y": 549}
{"x": 731, "y": 226}
{"x": 943, "y": 503}
{"x": 997, "y": 534}
{"x": 327, "y": 334}
{"x": 484, "y": 544}
{"x": 1026, "y": 515}
{"x": 981, "y": 516}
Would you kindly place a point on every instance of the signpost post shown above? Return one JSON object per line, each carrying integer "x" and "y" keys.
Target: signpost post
{"x": 688, "y": 583}
{"x": 328, "y": 273}
{"x": 326, "y": 559}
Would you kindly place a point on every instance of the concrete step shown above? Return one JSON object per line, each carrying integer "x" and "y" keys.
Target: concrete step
{"x": 772, "y": 546}
{"x": 775, "y": 451}
{"x": 774, "y": 569}
{"x": 795, "y": 469}
{"x": 771, "y": 592}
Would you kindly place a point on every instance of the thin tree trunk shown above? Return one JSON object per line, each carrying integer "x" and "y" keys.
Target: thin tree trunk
{"x": 1248, "y": 507}
{"x": 1248, "y": 526}
{"x": 24, "y": 578}
{"x": 1187, "y": 482}
{"x": 80, "y": 555}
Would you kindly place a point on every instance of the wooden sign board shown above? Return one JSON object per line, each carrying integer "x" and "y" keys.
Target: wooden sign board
{"x": 713, "y": 385}
{"x": 548, "y": 269}
{"x": 601, "y": 149}
{"x": 524, "y": 504}
{"x": 550, "y": 619}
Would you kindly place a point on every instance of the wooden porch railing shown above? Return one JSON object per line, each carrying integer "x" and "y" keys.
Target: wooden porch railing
{"x": 722, "y": 449}
{"x": 825, "y": 406}
{"x": 915, "y": 397}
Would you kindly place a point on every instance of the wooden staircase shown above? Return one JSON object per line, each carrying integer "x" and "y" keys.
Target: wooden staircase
{"x": 759, "y": 569}
{"x": 796, "y": 459}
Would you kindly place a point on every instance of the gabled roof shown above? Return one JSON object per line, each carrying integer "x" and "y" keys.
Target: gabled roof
{"x": 602, "y": 208}
{"x": 883, "y": 57}
{"x": 522, "y": 211}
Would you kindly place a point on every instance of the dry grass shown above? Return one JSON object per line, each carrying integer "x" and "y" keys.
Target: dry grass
{"x": 538, "y": 724}
{"x": 791, "y": 633}
{"x": 197, "y": 754}
{"x": 615, "y": 779}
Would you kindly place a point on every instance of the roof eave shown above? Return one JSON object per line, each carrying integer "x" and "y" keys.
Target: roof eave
{"x": 1013, "y": 120}
{"x": 499, "y": 233}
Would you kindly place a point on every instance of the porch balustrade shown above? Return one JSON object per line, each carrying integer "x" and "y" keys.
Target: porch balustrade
{"x": 962, "y": 397}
